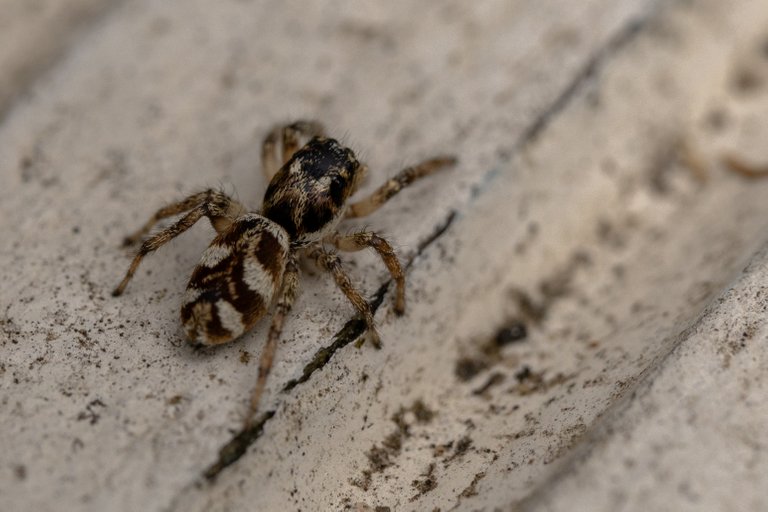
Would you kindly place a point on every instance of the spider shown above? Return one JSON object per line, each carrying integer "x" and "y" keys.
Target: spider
{"x": 251, "y": 266}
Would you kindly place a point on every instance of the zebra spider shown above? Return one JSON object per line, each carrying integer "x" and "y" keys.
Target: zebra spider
{"x": 251, "y": 265}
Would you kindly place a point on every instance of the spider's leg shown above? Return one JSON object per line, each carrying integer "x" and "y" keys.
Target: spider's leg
{"x": 170, "y": 210}
{"x": 283, "y": 141}
{"x": 394, "y": 185}
{"x": 231, "y": 208}
{"x": 288, "y": 292}
{"x": 217, "y": 206}
{"x": 364, "y": 239}
{"x": 330, "y": 262}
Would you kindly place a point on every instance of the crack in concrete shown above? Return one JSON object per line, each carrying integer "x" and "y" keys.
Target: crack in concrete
{"x": 237, "y": 446}
{"x": 625, "y": 35}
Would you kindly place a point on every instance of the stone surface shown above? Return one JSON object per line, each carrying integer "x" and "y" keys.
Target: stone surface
{"x": 581, "y": 332}
{"x": 33, "y": 34}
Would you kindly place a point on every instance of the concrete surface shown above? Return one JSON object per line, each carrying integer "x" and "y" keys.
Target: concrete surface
{"x": 583, "y": 332}
{"x": 34, "y": 34}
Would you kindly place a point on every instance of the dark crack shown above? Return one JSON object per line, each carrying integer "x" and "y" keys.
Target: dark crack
{"x": 352, "y": 330}
{"x": 587, "y": 73}
{"x": 234, "y": 449}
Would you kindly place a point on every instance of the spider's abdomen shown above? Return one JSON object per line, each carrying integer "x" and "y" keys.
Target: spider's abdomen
{"x": 234, "y": 284}
{"x": 307, "y": 195}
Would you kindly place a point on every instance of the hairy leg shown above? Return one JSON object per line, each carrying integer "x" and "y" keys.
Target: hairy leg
{"x": 219, "y": 203}
{"x": 218, "y": 207}
{"x": 394, "y": 185}
{"x": 288, "y": 292}
{"x": 330, "y": 262}
{"x": 364, "y": 239}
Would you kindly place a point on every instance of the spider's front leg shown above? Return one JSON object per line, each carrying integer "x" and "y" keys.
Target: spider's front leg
{"x": 330, "y": 262}
{"x": 217, "y": 206}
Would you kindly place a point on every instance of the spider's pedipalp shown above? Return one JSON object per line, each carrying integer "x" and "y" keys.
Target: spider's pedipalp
{"x": 295, "y": 132}
{"x": 282, "y": 141}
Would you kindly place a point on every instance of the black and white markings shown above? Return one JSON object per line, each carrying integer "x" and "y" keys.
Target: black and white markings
{"x": 236, "y": 280}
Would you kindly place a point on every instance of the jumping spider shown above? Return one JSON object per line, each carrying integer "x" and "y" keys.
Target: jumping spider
{"x": 252, "y": 262}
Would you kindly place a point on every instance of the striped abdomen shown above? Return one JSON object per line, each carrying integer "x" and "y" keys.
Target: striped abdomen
{"x": 234, "y": 284}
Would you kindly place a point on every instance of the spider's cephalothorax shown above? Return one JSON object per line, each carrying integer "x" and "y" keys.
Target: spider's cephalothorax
{"x": 308, "y": 194}
{"x": 251, "y": 265}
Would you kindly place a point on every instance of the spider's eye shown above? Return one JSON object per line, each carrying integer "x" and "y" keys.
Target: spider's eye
{"x": 337, "y": 190}
{"x": 352, "y": 167}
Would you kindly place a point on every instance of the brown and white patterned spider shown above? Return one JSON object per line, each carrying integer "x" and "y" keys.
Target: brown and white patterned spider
{"x": 252, "y": 262}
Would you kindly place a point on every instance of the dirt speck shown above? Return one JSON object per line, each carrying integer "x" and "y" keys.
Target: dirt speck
{"x": 746, "y": 81}
{"x": 489, "y": 353}
{"x": 422, "y": 413}
{"x": 468, "y": 367}
{"x": 514, "y": 332}
{"x": 471, "y": 489}
{"x": 20, "y": 472}
{"x": 425, "y": 484}
{"x": 380, "y": 457}
{"x": 529, "y": 381}
{"x": 567, "y": 439}
{"x": 495, "y": 379}
{"x": 462, "y": 446}
{"x": 550, "y": 289}
{"x": 736, "y": 341}
{"x": 459, "y": 449}
{"x": 90, "y": 414}
{"x": 175, "y": 400}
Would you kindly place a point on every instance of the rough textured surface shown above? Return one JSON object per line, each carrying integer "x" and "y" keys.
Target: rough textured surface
{"x": 579, "y": 327}
{"x": 33, "y": 34}
{"x": 692, "y": 437}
